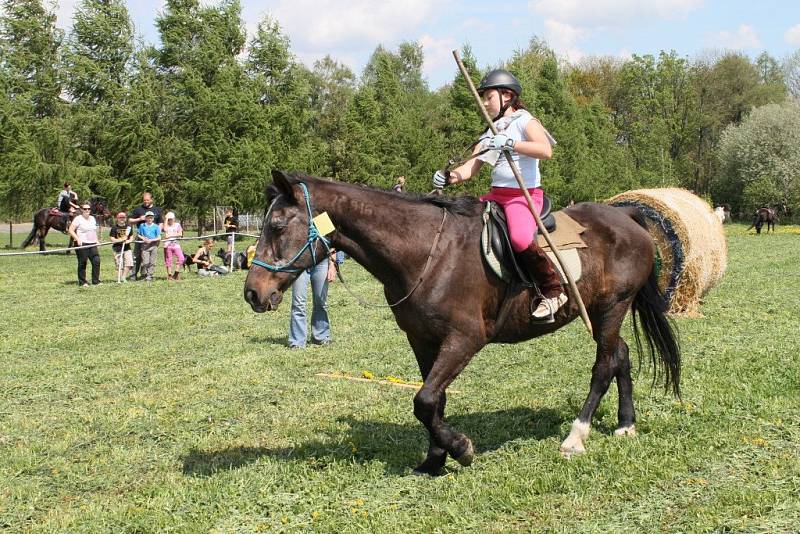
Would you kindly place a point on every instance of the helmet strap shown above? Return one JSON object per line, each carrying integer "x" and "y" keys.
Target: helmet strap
{"x": 503, "y": 107}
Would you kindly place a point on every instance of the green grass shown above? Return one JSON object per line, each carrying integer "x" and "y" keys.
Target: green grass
{"x": 173, "y": 407}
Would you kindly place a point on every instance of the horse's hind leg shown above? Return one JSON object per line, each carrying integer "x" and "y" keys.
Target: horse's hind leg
{"x": 42, "y": 236}
{"x": 626, "y": 415}
{"x": 611, "y": 361}
{"x": 429, "y": 402}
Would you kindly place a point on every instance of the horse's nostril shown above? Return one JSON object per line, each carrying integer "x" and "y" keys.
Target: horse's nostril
{"x": 250, "y": 296}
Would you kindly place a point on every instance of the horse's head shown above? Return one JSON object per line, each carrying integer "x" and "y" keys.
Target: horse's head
{"x": 288, "y": 244}
{"x": 100, "y": 209}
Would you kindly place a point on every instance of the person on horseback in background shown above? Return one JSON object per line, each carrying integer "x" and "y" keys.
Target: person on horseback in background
{"x": 523, "y": 136}
{"x": 67, "y": 201}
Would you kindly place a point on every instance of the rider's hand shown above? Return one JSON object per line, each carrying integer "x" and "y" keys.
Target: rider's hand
{"x": 439, "y": 179}
{"x": 500, "y": 142}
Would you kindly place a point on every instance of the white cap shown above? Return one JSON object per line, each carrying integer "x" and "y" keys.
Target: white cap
{"x": 169, "y": 216}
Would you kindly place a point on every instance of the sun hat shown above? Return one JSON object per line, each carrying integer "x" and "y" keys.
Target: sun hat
{"x": 149, "y": 214}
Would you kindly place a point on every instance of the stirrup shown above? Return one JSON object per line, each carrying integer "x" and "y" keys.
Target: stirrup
{"x": 545, "y": 312}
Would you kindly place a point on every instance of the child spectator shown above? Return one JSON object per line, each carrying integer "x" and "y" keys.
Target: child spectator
{"x": 149, "y": 236}
{"x": 121, "y": 234}
{"x": 172, "y": 249}
{"x": 231, "y": 224}
{"x": 205, "y": 263}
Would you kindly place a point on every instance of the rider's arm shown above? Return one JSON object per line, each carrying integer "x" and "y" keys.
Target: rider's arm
{"x": 536, "y": 145}
{"x": 466, "y": 170}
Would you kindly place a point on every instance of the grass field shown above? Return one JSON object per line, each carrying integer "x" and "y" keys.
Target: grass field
{"x": 173, "y": 407}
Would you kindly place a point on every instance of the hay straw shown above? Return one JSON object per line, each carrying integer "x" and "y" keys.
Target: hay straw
{"x": 690, "y": 242}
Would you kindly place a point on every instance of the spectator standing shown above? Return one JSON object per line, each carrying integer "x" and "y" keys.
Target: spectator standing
{"x": 320, "y": 275}
{"x": 149, "y": 235}
{"x": 121, "y": 234}
{"x": 137, "y": 219}
{"x": 231, "y": 224}
{"x": 205, "y": 263}
{"x": 172, "y": 248}
{"x": 83, "y": 231}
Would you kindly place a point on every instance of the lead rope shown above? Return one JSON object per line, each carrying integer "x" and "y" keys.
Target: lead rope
{"x": 419, "y": 281}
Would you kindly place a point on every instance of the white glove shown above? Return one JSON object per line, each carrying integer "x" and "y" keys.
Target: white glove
{"x": 439, "y": 180}
{"x": 500, "y": 142}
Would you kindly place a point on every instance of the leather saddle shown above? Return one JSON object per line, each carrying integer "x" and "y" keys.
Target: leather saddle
{"x": 496, "y": 243}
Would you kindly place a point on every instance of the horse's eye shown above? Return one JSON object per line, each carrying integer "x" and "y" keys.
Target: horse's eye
{"x": 278, "y": 225}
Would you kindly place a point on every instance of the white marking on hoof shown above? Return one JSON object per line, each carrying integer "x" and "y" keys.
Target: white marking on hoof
{"x": 574, "y": 444}
{"x": 626, "y": 431}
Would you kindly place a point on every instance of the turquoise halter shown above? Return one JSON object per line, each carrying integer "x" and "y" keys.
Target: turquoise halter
{"x": 313, "y": 236}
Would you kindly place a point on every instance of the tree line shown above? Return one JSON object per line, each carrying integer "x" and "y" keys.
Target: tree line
{"x": 202, "y": 118}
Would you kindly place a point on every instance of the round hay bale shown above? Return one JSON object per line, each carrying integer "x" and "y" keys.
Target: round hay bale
{"x": 690, "y": 243}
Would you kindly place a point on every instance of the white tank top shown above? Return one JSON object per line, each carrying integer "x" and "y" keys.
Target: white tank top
{"x": 502, "y": 176}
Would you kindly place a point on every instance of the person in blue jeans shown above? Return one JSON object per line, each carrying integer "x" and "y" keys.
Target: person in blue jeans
{"x": 320, "y": 275}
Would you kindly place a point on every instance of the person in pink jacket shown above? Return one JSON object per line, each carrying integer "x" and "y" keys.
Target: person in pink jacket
{"x": 172, "y": 248}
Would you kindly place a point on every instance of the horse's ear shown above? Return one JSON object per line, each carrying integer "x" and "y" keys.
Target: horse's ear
{"x": 283, "y": 183}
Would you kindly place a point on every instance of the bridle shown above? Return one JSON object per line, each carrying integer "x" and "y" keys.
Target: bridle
{"x": 311, "y": 240}
{"x": 314, "y": 236}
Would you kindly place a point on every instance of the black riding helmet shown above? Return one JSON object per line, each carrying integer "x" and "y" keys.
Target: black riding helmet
{"x": 500, "y": 79}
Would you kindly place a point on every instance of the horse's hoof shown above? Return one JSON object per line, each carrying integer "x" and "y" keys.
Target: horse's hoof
{"x": 626, "y": 431}
{"x": 569, "y": 452}
{"x": 468, "y": 456}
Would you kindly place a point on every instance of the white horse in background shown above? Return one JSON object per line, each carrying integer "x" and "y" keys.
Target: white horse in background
{"x": 719, "y": 211}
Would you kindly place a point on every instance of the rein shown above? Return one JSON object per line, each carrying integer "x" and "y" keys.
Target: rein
{"x": 419, "y": 280}
{"x": 463, "y": 158}
{"x": 311, "y": 240}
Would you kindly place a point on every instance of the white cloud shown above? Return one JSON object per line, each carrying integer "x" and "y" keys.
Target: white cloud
{"x": 613, "y": 13}
{"x": 570, "y": 22}
{"x": 564, "y": 38}
{"x": 477, "y": 25}
{"x": 438, "y": 54}
{"x": 792, "y": 35}
{"x": 349, "y": 24}
{"x": 744, "y": 38}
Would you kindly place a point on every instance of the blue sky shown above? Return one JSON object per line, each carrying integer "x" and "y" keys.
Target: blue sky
{"x": 349, "y": 30}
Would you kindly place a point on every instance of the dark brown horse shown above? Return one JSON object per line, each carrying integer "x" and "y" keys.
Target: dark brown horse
{"x": 763, "y": 216}
{"x": 455, "y": 306}
{"x": 47, "y": 218}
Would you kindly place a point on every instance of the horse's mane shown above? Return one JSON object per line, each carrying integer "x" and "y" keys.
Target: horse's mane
{"x": 462, "y": 205}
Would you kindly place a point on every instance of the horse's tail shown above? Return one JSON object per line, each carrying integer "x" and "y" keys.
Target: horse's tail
{"x": 649, "y": 314}
{"x": 30, "y": 238}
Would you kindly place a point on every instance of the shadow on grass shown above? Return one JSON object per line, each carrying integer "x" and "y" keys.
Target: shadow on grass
{"x": 399, "y": 447}
{"x": 270, "y": 340}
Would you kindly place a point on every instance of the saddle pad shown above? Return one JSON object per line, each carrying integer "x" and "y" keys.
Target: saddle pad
{"x": 572, "y": 262}
{"x": 567, "y": 235}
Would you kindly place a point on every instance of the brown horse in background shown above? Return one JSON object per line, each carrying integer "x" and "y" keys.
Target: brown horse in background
{"x": 47, "y": 218}
{"x": 763, "y": 216}
{"x": 448, "y": 302}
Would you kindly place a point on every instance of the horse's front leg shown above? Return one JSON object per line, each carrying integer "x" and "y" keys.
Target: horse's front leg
{"x": 426, "y": 354}
{"x": 429, "y": 403}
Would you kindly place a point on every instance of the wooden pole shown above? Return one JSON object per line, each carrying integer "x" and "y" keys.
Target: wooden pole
{"x": 572, "y": 286}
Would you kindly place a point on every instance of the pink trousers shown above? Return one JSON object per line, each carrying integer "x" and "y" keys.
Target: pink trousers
{"x": 170, "y": 250}
{"x": 521, "y": 224}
